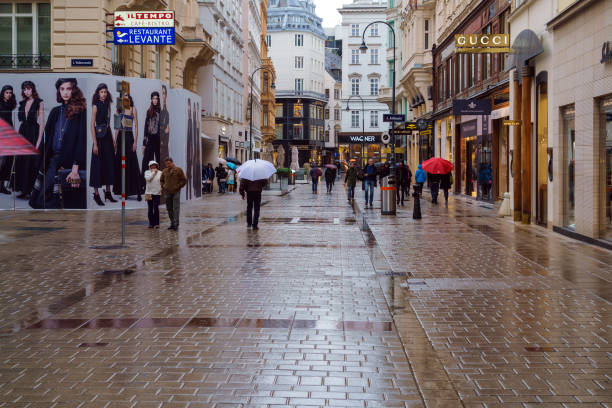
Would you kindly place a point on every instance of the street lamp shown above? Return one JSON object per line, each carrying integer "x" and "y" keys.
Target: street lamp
{"x": 251, "y": 108}
{"x": 348, "y": 102}
{"x": 363, "y": 48}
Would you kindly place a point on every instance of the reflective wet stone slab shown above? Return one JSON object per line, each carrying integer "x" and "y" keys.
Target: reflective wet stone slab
{"x": 327, "y": 304}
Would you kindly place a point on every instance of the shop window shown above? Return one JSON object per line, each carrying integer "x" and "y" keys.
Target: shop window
{"x": 542, "y": 150}
{"x": 569, "y": 144}
{"x": 298, "y": 131}
{"x": 278, "y": 131}
{"x": 605, "y": 135}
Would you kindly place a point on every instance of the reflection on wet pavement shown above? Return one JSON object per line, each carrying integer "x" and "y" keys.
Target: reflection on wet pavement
{"x": 327, "y": 304}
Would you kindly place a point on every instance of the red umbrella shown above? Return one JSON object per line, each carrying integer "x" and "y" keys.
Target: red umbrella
{"x": 12, "y": 143}
{"x": 437, "y": 165}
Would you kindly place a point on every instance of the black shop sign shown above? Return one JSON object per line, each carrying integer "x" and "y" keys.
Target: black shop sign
{"x": 359, "y": 139}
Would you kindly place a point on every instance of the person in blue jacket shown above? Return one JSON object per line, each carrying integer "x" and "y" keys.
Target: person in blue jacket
{"x": 420, "y": 177}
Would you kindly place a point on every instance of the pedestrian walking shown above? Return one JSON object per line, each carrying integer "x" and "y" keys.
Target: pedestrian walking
{"x": 330, "y": 176}
{"x": 403, "y": 177}
{"x": 351, "y": 181}
{"x": 172, "y": 181}
{"x": 221, "y": 175}
{"x": 446, "y": 181}
{"x": 231, "y": 180}
{"x": 252, "y": 190}
{"x": 208, "y": 176}
{"x": 434, "y": 187}
{"x": 369, "y": 180}
{"x": 153, "y": 193}
{"x": 420, "y": 177}
{"x": 314, "y": 175}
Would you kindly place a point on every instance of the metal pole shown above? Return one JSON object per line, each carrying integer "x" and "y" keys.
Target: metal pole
{"x": 393, "y": 109}
{"x": 122, "y": 185}
{"x": 364, "y": 159}
{"x": 251, "y": 118}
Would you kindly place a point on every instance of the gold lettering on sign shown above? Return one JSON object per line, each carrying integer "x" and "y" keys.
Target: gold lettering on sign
{"x": 482, "y": 43}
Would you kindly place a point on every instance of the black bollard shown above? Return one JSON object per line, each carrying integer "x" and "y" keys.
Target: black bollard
{"x": 416, "y": 209}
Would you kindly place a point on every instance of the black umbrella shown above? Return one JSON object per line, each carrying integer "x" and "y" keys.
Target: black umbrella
{"x": 233, "y": 160}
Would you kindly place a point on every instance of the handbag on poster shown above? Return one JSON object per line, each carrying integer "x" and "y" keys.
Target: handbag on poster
{"x": 63, "y": 183}
{"x": 101, "y": 131}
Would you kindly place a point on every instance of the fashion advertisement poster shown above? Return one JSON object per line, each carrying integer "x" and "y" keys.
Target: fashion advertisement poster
{"x": 70, "y": 119}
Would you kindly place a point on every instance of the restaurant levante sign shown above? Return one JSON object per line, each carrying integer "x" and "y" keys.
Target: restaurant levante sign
{"x": 482, "y": 43}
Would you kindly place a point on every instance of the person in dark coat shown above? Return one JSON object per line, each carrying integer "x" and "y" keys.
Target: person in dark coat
{"x": 32, "y": 117}
{"x": 403, "y": 176}
{"x": 8, "y": 103}
{"x": 434, "y": 186}
{"x": 351, "y": 180}
{"x": 330, "y": 176}
{"x": 369, "y": 181}
{"x": 102, "y": 171}
{"x": 64, "y": 148}
{"x": 314, "y": 175}
{"x": 133, "y": 179}
{"x": 221, "y": 175}
{"x": 445, "y": 184}
{"x": 208, "y": 176}
{"x": 252, "y": 190}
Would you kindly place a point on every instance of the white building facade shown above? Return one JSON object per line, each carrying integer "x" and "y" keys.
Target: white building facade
{"x": 251, "y": 61}
{"x": 296, "y": 44}
{"x": 363, "y": 75}
{"x": 221, "y": 84}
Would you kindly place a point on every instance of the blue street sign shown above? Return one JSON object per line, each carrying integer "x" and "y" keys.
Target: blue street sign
{"x": 144, "y": 35}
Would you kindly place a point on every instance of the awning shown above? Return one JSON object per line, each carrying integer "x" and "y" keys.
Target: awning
{"x": 205, "y": 136}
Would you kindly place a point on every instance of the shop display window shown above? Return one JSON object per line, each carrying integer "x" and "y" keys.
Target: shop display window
{"x": 569, "y": 140}
{"x": 606, "y": 166}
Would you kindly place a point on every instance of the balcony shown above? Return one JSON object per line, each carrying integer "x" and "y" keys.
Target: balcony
{"x": 300, "y": 94}
{"x": 25, "y": 61}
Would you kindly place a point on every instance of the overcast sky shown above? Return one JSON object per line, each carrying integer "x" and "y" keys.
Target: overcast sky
{"x": 327, "y": 10}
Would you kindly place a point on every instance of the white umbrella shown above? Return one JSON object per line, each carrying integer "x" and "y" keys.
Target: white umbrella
{"x": 256, "y": 170}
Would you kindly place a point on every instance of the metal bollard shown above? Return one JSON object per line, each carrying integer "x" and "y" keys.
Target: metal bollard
{"x": 416, "y": 209}
{"x": 387, "y": 195}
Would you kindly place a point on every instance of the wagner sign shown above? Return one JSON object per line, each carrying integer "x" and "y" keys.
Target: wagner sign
{"x": 482, "y": 43}
{"x": 359, "y": 139}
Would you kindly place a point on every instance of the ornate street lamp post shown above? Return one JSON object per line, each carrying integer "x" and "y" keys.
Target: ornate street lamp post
{"x": 363, "y": 49}
{"x": 251, "y": 108}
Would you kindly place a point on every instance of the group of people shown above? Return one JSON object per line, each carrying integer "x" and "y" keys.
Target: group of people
{"x": 329, "y": 175}
{"x": 403, "y": 179}
{"x": 227, "y": 179}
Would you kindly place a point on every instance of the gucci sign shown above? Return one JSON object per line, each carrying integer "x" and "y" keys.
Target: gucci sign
{"x": 482, "y": 43}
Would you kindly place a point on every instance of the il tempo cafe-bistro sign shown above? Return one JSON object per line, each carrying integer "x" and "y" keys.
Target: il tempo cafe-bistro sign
{"x": 144, "y": 28}
{"x": 482, "y": 43}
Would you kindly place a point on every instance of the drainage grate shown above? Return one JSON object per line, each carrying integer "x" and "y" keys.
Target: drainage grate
{"x": 391, "y": 273}
{"x": 43, "y": 229}
{"x": 540, "y": 349}
{"x": 107, "y": 247}
{"x": 115, "y": 272}
{"x": 92, "y": 345}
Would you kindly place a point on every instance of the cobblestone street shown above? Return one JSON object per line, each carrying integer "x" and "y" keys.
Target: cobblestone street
{"x": 327, "y": 304}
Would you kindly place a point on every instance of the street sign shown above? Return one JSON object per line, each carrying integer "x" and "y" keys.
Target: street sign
{"x": 421, "y": 124}
{"x": 81, "y": 62}
{"x": 512, "y": 122}
{"x": 393, "y": 117}
{"x": 144, "y": 36}
{"x": 399, "y": 132}
{"x": 163, "y": 18}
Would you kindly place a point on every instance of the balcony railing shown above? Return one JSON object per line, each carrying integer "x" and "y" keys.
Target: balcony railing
{"x": 25, "y": 61}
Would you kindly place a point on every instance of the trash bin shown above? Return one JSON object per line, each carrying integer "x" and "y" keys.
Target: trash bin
{"x": 387, "y": 195}
{"x": 292, "y": 179}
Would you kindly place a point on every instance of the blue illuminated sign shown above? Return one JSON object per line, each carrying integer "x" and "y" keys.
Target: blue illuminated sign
{"x": 144, "y": 35}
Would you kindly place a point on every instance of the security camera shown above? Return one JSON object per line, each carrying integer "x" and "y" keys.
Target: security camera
{"x": 385, "y": 138}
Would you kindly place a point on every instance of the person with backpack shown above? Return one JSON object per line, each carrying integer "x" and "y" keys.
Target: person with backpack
{"x": 330, "y": 176}
{"x": 420, "y": 177}
{"x": 369, "y": 180}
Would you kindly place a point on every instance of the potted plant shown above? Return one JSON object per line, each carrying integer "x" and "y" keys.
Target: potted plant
{"x": 283, "y": 174}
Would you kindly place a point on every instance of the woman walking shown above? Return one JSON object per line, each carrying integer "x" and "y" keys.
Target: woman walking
{"x": 153, "y": 193}
{"x": 32, "y": 117}
{"x": 231, "y": 180}
{"x": 133, "y": 180}
{"x": 103, "y": 147}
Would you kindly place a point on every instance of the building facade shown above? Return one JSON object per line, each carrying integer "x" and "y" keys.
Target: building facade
{"x": 363, "y": 74}
{"x": 296, "y": 44}
{"x": 221, "y": 84}
{"x": 268, "y": 80}
{"x": 478, "y": 145}
{"x": 333, "y": 116}
{"x": 251, "y": 18}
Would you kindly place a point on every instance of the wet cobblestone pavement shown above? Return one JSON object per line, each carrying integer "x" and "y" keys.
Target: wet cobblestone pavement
{"x": 327, "y": 304}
